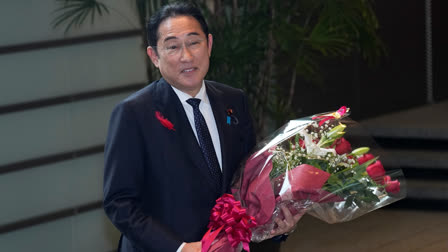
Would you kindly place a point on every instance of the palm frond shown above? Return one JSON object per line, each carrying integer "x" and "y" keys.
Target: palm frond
{"x": 358, "y": 23}
{"x": 73, "y": 13}
{"x": 329, "y": 41}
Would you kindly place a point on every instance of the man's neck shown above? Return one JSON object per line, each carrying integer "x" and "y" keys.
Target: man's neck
{"x": 192, "y": 94}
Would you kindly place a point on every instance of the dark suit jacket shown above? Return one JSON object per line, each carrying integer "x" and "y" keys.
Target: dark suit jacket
{"x": 156, "y": 186}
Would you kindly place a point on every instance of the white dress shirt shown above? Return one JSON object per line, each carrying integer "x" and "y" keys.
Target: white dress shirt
{"x": 207, "y": 113}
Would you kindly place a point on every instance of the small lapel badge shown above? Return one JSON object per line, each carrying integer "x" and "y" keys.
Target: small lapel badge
{"x": 231, "y": 117}
{"x": 229, "y": 114}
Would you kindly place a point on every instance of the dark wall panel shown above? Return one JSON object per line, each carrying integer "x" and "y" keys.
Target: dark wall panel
{"x": 440, "y": 53}
{"x": 398, "y": 82}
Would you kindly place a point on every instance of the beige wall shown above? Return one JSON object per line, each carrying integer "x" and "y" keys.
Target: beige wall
{"x": 33, "y": 133}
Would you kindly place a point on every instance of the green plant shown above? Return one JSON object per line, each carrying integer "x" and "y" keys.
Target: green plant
{"x": 318, "y": 29}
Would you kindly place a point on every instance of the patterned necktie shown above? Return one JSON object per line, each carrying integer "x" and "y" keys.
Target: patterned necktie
{"x": 205, "y": 141}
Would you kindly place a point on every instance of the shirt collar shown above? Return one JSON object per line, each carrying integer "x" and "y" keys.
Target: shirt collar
{"x": 183, "y": 97}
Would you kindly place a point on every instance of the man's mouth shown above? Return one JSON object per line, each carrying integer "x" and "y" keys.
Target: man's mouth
{"x": 188, "y": 70}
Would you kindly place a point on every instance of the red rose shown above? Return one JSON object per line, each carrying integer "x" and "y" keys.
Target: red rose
{"x": 392, "y": 186}
{"x": 376, "y": 170}
{"x": 342, "y": 146}
{"x": 385, "y": 180}
{"x": 364, "y": 158}
{"x": 302, "y": 143}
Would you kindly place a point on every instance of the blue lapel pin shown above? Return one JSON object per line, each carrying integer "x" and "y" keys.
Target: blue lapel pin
{"x": 229, "y": 114}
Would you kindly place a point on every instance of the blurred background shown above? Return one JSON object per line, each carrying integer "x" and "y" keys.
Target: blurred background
{"x": 64, "y": 64}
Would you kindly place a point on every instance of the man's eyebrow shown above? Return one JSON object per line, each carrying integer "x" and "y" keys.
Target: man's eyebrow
{"x": 174, "y": 37}
{"x": 193, "y": 33}
{"x": 168, "y": 38}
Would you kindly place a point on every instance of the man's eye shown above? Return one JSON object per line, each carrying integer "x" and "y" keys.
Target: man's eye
{"x": 193, "y": 43}
{"x": 172, "y": 47}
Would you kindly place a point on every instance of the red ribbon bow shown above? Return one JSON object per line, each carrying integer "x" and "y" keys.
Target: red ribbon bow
{"x": 228, "y": 215}
{"x": 335, "y": 115}
{"x": 165, "y": 122}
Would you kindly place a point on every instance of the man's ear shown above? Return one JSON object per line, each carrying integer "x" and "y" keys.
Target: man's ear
{"x": 210, "y": 44}
{"x": 152, "y": 54}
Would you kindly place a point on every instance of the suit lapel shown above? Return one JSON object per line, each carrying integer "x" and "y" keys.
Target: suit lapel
{"x": 219, "y": 112}
{"x": 169, "y": 104}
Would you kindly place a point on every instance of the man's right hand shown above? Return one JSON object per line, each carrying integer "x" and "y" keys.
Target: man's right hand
{"x": 192, "y": 247}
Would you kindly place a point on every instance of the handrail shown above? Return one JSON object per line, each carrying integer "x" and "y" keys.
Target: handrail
{"x": 17, "y": 107}
{"x": 40, "y": 219}
{"x": 54, "y": 158}
{"x": 46, "y": 44}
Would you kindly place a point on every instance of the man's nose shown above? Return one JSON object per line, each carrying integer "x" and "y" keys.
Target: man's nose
{"x": 185, "y": 54}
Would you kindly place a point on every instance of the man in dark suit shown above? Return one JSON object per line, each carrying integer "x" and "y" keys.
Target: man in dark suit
{"x": 172, "y": 147}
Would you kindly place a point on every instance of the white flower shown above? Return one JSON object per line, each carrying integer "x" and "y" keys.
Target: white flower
{"x": 313, "y": 149}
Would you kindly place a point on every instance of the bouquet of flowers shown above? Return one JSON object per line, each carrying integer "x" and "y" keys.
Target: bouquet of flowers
{"x": 309, "y": 166}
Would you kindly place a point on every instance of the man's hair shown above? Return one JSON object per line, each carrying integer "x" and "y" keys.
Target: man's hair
{"x": 173, "y": 10}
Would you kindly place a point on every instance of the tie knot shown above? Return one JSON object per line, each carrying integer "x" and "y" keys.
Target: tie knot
{"x": 194, "y": 102}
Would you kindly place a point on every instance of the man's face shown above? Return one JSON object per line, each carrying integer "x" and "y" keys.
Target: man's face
{"x": 183, "y": 53}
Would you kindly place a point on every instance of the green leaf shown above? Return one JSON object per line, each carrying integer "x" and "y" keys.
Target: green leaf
{"x": 369, "y": 196}
{"x": 362, "y": 168}
{"x": 327, "y": 142}
{"x": 320, "y": 164}
{"x": 337, "y": 131}
{"x": 360, "y": 151}
{"x": 349, "y": 201}
{"x": 75, "y": 12}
